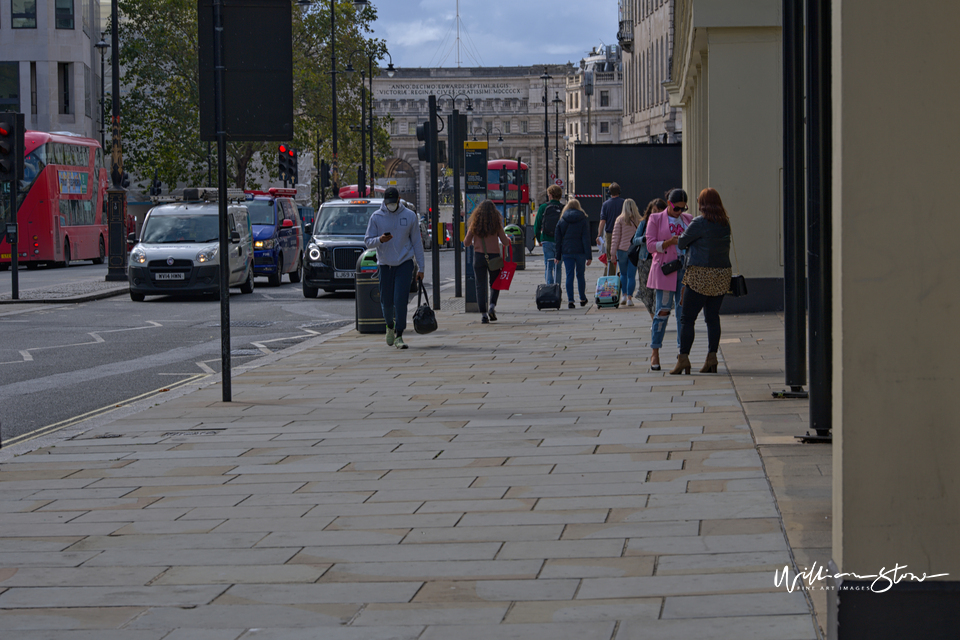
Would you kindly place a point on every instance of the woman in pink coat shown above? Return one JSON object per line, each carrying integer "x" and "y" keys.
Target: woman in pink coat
{"x": 663, "y": 231}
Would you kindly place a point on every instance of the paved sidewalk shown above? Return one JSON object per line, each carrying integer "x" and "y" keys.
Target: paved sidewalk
{"x": 94, "y": 288}
{"x": 530, "y": 478}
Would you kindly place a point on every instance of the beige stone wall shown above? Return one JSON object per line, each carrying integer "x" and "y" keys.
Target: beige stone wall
{"x": 727, "y": 79}
{"x": 896, "y": 300}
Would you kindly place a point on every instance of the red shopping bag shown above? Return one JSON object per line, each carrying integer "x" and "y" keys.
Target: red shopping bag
{"x": 502, "y": 283}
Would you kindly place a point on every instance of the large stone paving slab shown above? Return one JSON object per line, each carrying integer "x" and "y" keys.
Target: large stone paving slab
{"x": 525, "y": 479}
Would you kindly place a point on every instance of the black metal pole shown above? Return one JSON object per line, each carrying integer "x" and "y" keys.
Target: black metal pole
{"x": 361, "y": 177}
{"x": 794, "y": 277}
{"x": 456, "y": 145}
{"x": 556, "y": 136}
{"x": 223, "y": 259}
{"x": 15, "y": 241}
{"x": 103, "y": 103}
{"x": 373, "y": 167}
{"x": 819, "y": 148}
{"x": 435, "y": 204}
{"x": 546, "y": 137}
{"x": 335, "y": 166}
{"x": 116, "y": 195}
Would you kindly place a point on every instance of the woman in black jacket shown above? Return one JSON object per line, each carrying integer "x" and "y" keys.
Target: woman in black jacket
{"x": 574, "y": 248}
{"x": 707, "y": 277}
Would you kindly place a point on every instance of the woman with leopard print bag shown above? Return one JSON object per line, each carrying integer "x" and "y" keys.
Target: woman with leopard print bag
{"x": 706, "y": 279}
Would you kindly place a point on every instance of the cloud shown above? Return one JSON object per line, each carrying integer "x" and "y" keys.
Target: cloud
{"x": 412, "y": 34}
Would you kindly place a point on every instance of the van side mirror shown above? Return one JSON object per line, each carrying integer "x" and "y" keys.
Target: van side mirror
{"x": 132, "y": 238}
{"x": 234, "y": 237}
{"x": 308, "y": 228}
{"x": 286, "y": 224}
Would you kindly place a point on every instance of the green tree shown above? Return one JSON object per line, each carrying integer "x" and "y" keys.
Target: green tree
{"x": 160, "y": 110}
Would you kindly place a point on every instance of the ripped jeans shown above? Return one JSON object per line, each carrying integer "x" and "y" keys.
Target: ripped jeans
{"x": 663, "y": 301}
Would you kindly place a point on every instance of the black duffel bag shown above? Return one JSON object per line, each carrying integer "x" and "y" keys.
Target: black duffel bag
{"x": 424, "y": 319}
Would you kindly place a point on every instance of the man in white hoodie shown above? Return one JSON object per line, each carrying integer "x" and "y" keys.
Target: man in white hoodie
{"x": 394, "y": 231}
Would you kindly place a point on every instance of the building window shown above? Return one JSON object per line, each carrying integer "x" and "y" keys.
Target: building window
{"x": 63, "y": 87}
{"x": 506, "y": 127}
{"x": 604, "y": 98}
{"x": 523, "y": 126}
{"x": 604, "y": 127}
{"x": 87, "y": 93}
{"x": 23, "y": 14}
{"x": 10, "y": 86}
{"x": 64, "y": 14}
{"x": 33, "y": 88}
{"x": 85, "y": 11}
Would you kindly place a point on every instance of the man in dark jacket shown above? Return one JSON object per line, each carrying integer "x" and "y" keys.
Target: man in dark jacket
{"x": 544, "y": 228}
{"x": 609, "y": 213}
{"x": 573, "y": 248}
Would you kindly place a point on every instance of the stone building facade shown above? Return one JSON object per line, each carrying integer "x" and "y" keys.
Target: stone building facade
{"x": 49, "y": 67}
{"x": 646, "y": 36}
{"x": 507, "y": 103}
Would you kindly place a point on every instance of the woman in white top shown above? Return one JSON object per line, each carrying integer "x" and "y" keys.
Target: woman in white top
{"x": 485, "y": 234}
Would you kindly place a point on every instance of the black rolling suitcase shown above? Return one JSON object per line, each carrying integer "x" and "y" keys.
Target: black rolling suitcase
{"x": 548, "y": 296}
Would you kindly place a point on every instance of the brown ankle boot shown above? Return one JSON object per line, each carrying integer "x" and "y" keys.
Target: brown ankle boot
{"x": 683, "y": 365}
{"x": 710, "y": 365}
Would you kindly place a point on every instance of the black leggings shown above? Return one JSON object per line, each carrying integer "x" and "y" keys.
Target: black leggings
{"x": 482, "y": 273}
{"x": 693, "y": 302}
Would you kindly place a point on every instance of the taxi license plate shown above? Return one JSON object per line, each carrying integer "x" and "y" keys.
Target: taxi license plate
{"x": 168, "y": 276}
{"x": 344, "y": 274}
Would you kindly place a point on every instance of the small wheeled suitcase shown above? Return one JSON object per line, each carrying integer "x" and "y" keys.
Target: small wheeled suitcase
{"x": 548, "y": 296}
{"x": 608, "y": 291}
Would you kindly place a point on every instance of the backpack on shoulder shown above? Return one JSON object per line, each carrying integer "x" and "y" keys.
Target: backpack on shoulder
{"x": 551, "y": 216}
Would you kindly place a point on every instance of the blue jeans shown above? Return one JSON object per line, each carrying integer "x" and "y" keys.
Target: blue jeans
{"x": 664, "y": 300}
{"x": 576, "y": 263}
{"x": 628, "y": 274}
{"x": 551, "y": 269}
{"x": 395, "y": 294}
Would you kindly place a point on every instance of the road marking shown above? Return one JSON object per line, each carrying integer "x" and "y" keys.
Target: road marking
{"x": 97, "y": 339}
{"x": 57, "y": 426}
{"x": 207, "y": 370}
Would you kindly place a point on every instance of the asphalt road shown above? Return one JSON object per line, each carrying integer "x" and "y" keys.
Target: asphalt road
{"x": 60, "y": 362}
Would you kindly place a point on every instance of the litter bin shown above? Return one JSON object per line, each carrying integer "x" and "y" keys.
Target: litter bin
{"x": 515, "y": 233}
{"x": 369, "y": 312}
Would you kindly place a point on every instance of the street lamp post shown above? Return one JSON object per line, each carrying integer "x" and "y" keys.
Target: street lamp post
{"x": 556, "y": 134}
{"x": 116, "y": 194}
{"x": 390, "y": 72}
{"x": 546, "y": 77}
{"x": 102, "y": 47}
{"x": 364, "y": 128}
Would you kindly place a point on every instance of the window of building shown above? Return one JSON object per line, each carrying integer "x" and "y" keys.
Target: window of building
{"x": 87, "y": 93}
{"x": 33, "y": 88}
{"x": 523, "y": 126}
{"x": 63, "y": 87}
{"x": 506, "y": 127}
{"x": 10, "y": 86}
{"x": 23, "y": 14}
{"x": 86, "y": 11}
{"x": 64, "y": 14}
{"x": 604, "y": 127}
{"x": 604, "y": 98}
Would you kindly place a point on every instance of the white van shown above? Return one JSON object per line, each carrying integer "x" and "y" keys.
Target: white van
{"x": 179, "y": 246}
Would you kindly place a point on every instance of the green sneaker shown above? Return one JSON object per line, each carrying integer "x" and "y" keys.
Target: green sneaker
{"x": 391, "y": 336}
{"x": 398, "y": 343}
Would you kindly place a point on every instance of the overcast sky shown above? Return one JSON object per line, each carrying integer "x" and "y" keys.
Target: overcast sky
{"x": 423, "y": 33}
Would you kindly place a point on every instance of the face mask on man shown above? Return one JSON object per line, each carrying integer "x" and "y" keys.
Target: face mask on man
{"x": 393, "y": 207}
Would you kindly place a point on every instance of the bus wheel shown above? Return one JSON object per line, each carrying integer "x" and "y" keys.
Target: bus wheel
{"x": 103, "y": 253}
{"x": 32, "y": 266}
{"x": 5, "y": 267}
{"x": 66, "y": 253}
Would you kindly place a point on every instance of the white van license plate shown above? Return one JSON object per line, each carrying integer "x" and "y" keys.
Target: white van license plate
{"x": 168, "y": 276}
{"x": 344, "y": 274}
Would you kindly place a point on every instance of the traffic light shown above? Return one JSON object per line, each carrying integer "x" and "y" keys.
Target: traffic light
{"x": 442, "y": 151}
{"x": 11, "y": 146}
{"x": 288, "y": 163}
{"x": 294, "y": 166}
{"x": 155, "y": 185}
{"x": 428, "y": 148}
{"x": 324, "y": 175}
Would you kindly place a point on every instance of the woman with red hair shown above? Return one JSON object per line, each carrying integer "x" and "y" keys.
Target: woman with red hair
{"x": 706, "y": 278}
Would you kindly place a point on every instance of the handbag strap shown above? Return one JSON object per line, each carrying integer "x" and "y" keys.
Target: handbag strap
{"x": 421, "y": 291}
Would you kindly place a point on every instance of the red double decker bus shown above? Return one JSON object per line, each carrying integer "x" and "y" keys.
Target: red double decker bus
{"x": 517, "y": 198}
{"x": 60, "y": 215}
